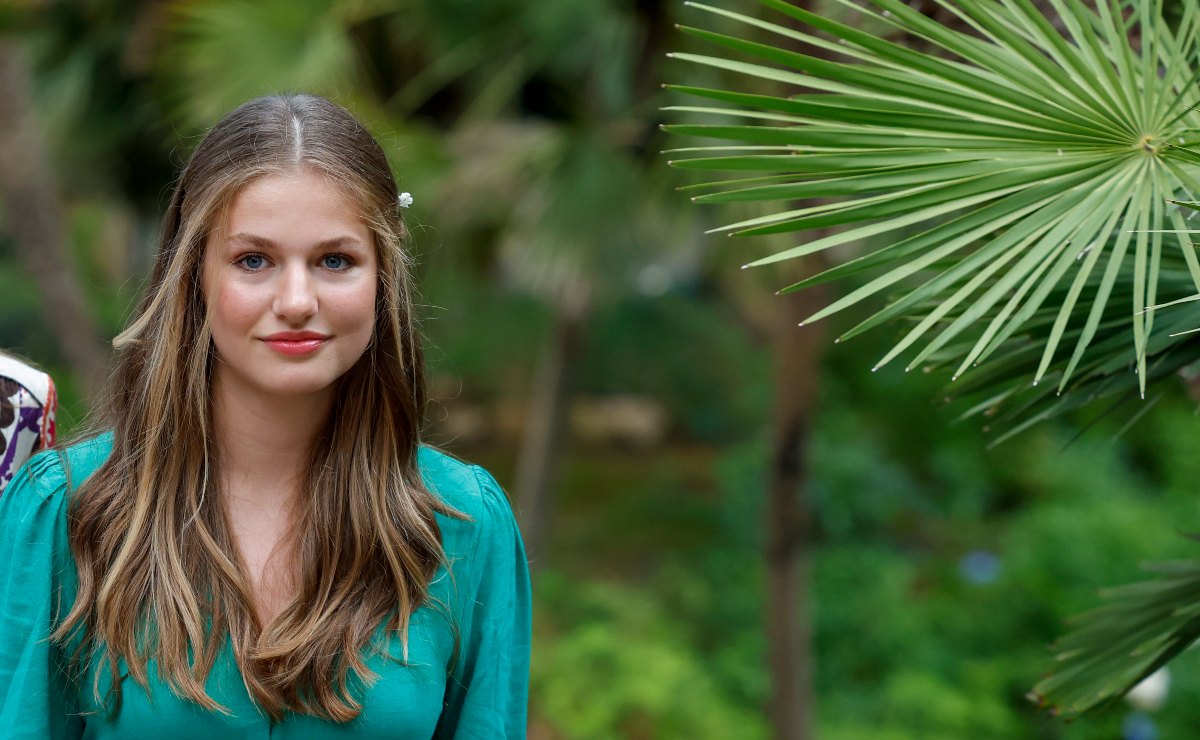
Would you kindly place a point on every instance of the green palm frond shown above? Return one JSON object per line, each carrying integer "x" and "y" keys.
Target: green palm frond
{"x": 1114, "y": 647}
{"x": 1023, "y": 194}
{"x": 1107, "y": 374}
{"x": 1018, "y": 188}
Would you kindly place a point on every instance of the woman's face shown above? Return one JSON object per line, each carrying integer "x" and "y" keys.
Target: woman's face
{"x": 290, "y": 282}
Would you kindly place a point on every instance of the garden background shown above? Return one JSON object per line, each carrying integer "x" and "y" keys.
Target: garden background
{"x": 613, "y": 367}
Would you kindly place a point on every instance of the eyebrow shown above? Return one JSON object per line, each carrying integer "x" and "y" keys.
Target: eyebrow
{"x": 262, "y": 242}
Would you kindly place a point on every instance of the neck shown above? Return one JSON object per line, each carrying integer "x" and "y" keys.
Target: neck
{"x": 264, "y": 442}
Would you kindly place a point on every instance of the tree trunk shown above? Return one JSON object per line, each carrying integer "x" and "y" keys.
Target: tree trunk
{"x": 797, "y": 353}
{"x": 546, "y": 430}
{"x": 34, "y": 218}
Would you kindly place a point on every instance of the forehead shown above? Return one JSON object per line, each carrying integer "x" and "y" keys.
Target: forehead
{"x": 298, "y": 206}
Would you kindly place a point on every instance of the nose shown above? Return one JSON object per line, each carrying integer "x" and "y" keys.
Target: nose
{"x": 295, "y": 296}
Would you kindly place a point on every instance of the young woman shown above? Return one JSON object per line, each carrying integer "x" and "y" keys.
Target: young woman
{"x": 258, "y": 546}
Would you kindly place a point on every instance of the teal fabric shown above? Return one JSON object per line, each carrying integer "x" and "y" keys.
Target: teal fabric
{"x": 482, "y": 597}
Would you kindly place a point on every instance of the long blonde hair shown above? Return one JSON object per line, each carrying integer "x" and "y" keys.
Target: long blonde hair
{"x": 159, "y": 575}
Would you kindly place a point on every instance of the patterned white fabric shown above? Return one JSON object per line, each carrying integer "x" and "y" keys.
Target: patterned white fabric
{"x": 27, "y": 406}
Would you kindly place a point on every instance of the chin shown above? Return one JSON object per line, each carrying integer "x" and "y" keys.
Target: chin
{"x": 296, "y": 387}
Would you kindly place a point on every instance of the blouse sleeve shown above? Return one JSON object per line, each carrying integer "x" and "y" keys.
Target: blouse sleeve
{"x": 33, "y": 544}
{"x": 487, "y": 691}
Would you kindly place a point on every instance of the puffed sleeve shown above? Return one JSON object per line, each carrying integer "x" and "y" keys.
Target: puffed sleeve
{"x": 33, "y": 550}
{"x": 488, "y": 690}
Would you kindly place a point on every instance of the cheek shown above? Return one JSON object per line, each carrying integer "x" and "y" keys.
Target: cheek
{"x": 234, "y": 310}
{"x": 354, "y": 311}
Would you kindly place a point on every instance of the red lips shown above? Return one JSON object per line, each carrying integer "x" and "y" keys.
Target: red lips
{"x": 296, "y": 342}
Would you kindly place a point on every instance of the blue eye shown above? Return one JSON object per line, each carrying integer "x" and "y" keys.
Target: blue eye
{"x": 335, "y": 261}
{"x": 252, "y": 261}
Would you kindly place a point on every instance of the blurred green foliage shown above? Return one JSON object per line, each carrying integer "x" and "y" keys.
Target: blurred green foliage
{"x": 906, "y": 644}
{"x": 942, "y": 571}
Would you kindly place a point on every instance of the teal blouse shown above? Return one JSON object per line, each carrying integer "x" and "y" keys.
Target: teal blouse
{"x": 485, "y": 592}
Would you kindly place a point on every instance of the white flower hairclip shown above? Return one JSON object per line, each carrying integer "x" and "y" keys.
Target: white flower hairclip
{"x": 405, "y": 200}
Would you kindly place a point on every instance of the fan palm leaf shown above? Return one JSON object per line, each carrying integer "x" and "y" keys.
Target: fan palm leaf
{"x": 1018, "y": 190}
{"x": 1028, "y": 160}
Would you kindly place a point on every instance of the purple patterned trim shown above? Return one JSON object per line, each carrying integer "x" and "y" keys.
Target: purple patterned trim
{"x": 21, "y": 439}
